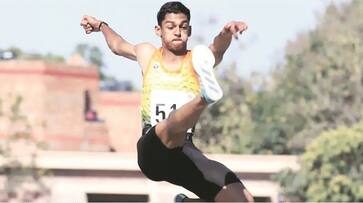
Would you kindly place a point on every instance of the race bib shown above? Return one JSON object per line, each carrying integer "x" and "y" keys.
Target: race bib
{"x": 163, "y": 102}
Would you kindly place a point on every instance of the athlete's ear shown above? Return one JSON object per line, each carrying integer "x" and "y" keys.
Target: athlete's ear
{"x": 190, "y": 31}
{"x": 158, "y": 30}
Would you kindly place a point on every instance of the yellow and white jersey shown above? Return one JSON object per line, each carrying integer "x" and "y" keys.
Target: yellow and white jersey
{"x": 165, "y": 90}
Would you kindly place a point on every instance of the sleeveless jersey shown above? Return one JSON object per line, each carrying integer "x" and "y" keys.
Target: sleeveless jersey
{"x": 165, "y": 90}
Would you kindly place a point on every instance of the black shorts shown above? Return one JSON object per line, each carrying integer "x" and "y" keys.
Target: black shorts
{"x": 184, "y": 166}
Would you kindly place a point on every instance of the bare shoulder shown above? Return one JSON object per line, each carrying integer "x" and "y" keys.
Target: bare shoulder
{"x": 145, "y": 47}
{"x": 144, "y": 52}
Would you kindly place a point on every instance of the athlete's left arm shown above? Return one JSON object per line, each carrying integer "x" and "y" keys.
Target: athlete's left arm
{"x": 222, "y": 41}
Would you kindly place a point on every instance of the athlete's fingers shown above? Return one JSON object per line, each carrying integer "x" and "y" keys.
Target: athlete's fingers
{"x": 86, "y": 17}
{"x": 238, "y": 28}
{"x": 85, "y": 28}
{"x": 83, "y": 23}
{"x": 87, "y": 20}
{"x": 235, "y": 28}
{"x": 241, "y": 27}
{"x": 234, "y": 31}
{"x": 90, "y": 29}
{"x": 242, "y": 30}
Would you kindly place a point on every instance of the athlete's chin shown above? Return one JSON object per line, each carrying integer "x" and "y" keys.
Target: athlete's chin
{"x": 177, "y": 47}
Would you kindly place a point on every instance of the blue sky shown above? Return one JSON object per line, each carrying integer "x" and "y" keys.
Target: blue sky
{"x": 53, "y": 26}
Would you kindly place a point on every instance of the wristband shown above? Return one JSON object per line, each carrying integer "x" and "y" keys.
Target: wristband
{"x": 101, "y": 23}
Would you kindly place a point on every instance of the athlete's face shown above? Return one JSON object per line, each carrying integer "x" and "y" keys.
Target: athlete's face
{"x": 174, "y": 31}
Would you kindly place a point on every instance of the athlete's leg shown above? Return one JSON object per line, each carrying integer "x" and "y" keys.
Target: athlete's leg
{"x": 183, "y": 198}
{"x": 234, "y": 192}
{"x": 231, "y": 187}
{"x": 229, "y": 193}
{"x": 172, "y": 130}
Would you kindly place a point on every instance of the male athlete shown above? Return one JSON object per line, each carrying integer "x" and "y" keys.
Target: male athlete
{"x": 178, "y": 84}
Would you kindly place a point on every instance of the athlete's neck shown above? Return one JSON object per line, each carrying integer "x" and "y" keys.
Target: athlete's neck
{"x": 173, "y": 58}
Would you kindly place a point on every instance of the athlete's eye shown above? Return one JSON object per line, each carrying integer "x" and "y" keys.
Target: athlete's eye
{"x": 170, "y": 26}
{"x": 185, "y": 27}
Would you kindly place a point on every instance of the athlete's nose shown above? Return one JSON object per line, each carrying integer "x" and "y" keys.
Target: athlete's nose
{"x": 177, "y": 32}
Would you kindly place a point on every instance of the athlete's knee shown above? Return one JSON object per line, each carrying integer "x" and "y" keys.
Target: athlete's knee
{"x": 165, "y": 127}
{"x": 169, "y": 137}
{"x": 219, "y": 173}
{"x": 248, "y": 196}
{"x": 235, "y": 192}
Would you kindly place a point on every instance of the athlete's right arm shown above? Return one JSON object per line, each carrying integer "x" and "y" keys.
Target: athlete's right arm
{"x": 115, "y": 42}
{"x": 140, "y": 52}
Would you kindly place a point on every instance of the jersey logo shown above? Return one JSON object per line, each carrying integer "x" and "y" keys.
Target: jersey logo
{"x": 156, "y": 66}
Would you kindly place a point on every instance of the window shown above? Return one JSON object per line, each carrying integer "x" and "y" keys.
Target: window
{"x": 98, "y": 197}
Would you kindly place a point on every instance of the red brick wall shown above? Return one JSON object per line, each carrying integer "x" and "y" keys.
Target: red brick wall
{"x": 53, "y": 98}
{"x": 24, "y": 79}
{"x": 121, "y": 111}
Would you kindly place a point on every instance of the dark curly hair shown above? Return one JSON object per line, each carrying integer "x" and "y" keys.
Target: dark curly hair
{"x": 172, "y": 7}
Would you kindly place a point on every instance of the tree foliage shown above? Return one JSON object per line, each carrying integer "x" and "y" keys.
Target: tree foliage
{"x": 93, "y": 55}
{"x": 231, "y": 116}
{"x": 318, "y": 87}
{"x": 331, "y": 168}
{"x": 20, "y": 54}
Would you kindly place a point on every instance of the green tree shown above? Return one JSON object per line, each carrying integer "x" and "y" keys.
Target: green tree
{"x": 93, "y": 55}
{"x": 20, "y": 54}
{"x": 318, "y": 87}
{"x": 223, "y": 128}
{"x": 331, "y": 168}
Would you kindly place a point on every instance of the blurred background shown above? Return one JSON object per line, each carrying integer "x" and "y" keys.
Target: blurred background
{"x": 290, "y": 123}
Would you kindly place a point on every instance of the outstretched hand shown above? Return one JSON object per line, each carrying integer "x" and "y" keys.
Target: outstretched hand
{"x": 235, "y": 28}
{"x": 90, "y": 24}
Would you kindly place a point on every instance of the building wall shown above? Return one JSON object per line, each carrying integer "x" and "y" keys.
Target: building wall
{"x": 77, "y": 175}
{"x": 64, "y": 103}
{"x": 121, "y": 112}
{"x": 24, "y": 79}
{"x": 53, "y": 100}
